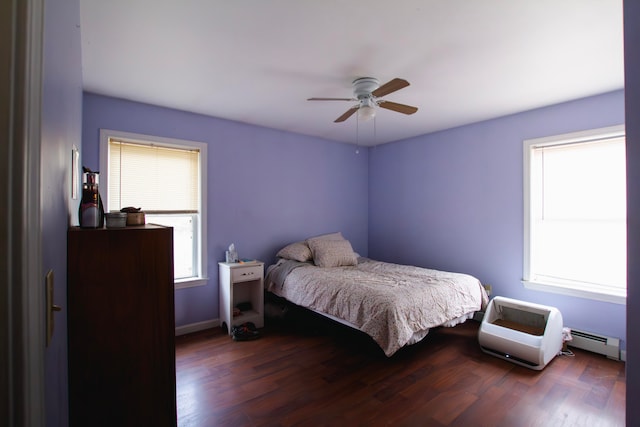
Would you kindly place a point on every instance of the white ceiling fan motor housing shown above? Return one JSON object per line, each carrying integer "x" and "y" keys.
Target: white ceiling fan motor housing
{"x": 363, "y": 87}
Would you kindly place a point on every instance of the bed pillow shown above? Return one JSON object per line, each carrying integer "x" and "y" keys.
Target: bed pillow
{"x": 298, "y": 251}
{"x": 331, "y": 236}
{"x": 332, "y": 253}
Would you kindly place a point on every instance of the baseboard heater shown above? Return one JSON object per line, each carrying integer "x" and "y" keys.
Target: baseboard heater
{"x": 521, "y": 332}
{"x": 599, "y": 344}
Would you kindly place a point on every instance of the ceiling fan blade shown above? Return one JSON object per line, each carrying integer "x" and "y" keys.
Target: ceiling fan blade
{"x": 346, "y": 115}
{"x": 390, "y": 86}
{"x": 331, "y": 99}
{"x": 400, "y": 108}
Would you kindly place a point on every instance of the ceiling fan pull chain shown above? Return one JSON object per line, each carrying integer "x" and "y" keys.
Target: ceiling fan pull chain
{"x": 375, "y": 130}
{"x": 357, "y": 135}
{"x": 357, "y": 130}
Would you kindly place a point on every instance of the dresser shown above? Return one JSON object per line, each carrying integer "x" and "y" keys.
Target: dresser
{"x": 121, "y": 327}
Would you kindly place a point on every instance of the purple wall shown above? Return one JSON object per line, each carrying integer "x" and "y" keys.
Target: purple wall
{"x": 266, "y": 188}
{"x": 494, "y": 255}
{"x": 61, "y": 128}
{"x": 632, "y": 105}
{"x": 453, "y": 200}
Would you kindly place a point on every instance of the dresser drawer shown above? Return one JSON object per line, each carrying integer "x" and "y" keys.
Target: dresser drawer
{"x": 244, "y": 274}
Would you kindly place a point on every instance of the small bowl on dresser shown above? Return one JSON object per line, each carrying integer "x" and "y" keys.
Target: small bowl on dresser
{"x": 135, "y": 218}
{"x": 116, "y": 219}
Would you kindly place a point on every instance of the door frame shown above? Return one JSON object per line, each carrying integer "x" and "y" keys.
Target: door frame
{"x": 22, "y": 325}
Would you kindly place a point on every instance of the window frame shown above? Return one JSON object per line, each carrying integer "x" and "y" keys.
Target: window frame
{"x": 202, "y": 277}
{"x": 554, "y": 287}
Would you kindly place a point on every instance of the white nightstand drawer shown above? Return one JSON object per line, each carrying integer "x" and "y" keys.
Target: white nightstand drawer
{"x": 244, "y": 274}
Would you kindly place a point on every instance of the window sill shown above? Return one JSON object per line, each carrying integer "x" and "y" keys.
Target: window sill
{"x": 190, "y": 283}
{"x": 575, "y": 292}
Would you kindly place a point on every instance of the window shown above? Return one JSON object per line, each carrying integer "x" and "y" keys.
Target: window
{"x": 575, "y": 214}
{"x": 166, "y": 178}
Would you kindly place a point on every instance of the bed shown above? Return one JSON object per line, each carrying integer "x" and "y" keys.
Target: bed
{"x": 394, "y": 304}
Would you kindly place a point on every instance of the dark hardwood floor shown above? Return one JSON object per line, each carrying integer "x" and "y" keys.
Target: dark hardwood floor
{"x": 309, "y": 371}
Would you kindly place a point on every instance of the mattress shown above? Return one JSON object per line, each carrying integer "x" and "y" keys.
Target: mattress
{"x": 394, "y": 304}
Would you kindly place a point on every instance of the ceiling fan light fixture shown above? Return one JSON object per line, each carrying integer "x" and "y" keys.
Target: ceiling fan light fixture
{"x": 366, "y": 112}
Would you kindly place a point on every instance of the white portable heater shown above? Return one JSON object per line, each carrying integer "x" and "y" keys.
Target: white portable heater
{"x": 521, "y": 332}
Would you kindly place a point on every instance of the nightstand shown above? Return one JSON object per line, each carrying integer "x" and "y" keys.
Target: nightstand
{"x": 241, "y": 283}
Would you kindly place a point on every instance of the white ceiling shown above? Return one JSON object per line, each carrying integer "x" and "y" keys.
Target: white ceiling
{"x": 257, "y": 61}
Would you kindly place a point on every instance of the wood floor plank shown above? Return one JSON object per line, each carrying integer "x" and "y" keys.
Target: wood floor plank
{"x": 315, "y": 372}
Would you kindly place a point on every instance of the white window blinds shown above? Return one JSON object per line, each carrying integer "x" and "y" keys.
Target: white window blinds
{"x": 155, "y": 178}
{"x": 578, "y": 203}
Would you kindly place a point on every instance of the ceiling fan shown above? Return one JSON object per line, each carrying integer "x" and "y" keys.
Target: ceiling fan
{"x": 367, "y": 92}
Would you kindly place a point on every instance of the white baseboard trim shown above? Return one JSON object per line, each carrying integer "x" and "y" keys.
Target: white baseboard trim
{"x": 198, "y": 326}
{"x": 623, "y": 355}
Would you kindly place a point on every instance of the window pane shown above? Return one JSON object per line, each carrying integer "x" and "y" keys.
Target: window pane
{"x": 586, "y": 251}
{"x": 184, "y": 233}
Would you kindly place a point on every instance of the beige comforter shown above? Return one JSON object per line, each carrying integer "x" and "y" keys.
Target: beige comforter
{"x": 389, "y": 302}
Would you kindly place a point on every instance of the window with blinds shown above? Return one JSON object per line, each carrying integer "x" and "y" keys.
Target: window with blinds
{"x": 575, "y": 214}
{"x": 159, "y": 178}
{"x": 165, "y": 177}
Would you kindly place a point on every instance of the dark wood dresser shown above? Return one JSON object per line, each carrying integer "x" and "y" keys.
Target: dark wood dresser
{"x": 121, "y": 327}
